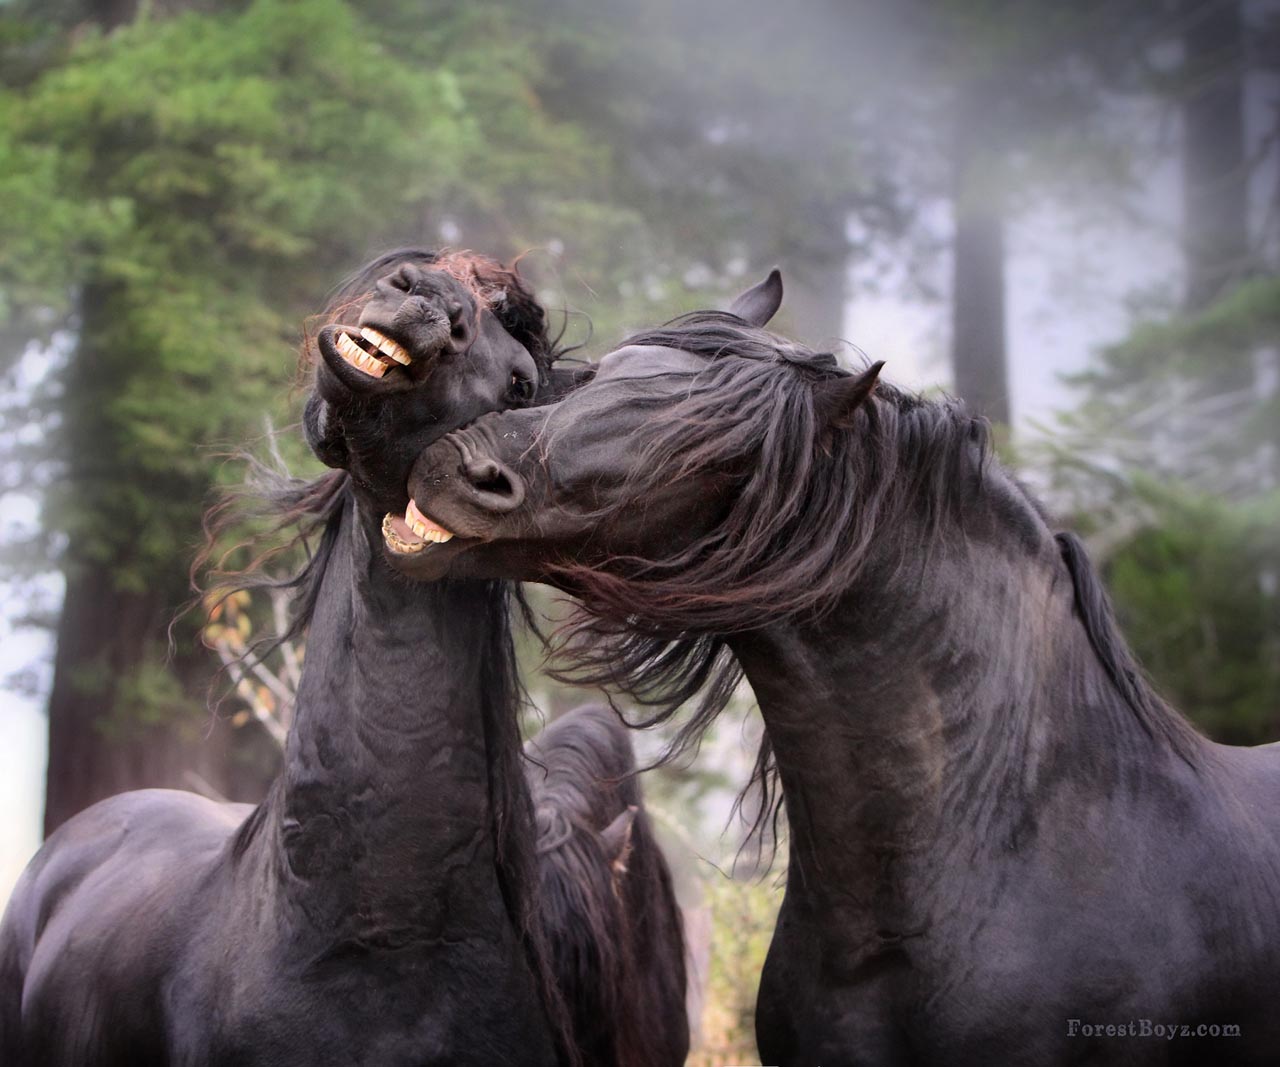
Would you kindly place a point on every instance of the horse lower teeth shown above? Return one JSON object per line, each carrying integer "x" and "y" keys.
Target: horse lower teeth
{"x": 397, "y": 543}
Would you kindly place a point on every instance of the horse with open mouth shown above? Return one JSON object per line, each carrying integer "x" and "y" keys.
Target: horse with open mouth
{"x": 381, "y": 905}
{"x": 1004, "y": 847}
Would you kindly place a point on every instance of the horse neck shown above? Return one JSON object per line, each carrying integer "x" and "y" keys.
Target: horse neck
{"x": 384, "y": 808}
{"x": 928, "y": 716}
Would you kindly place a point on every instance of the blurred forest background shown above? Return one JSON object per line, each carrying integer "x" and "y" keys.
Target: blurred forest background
{"x": 1068, "y": 214}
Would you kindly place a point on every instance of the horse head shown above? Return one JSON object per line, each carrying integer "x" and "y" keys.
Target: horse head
{"x": 420, "y": 343}
{"x": 688, "y": 459}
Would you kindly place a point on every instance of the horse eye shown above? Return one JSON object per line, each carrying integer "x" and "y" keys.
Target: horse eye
{"x": 521, "y": 387}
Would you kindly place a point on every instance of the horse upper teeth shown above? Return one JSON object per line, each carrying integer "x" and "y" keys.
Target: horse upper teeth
{"x": 386, "y": 346}
{"x": 358, "y": 357}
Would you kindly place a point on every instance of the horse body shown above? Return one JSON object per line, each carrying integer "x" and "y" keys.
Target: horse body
{"x": 194, "y": 961}
{"x": 1000, "y": 837}
{"x": 75, "y": 912}
{"x": 998, "y": 847}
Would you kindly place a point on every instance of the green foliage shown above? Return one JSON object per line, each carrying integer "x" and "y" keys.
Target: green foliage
{"x": 182, "y": 191}
{"x": 186, "y": 189}
{"x": 1170, "y": 464}
{"x": 1197, "y": 346}
{"x": 1195, "y": 591}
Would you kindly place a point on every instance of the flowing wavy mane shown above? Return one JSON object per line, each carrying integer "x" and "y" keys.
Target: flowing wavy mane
{"x": 796, "y": 537}
{"x": 809, "y": 509}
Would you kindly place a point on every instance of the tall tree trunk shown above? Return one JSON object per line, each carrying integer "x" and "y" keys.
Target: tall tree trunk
{"x": 1215, "y": 173}
{"x": 111, "y": 13}
{"x": 122, "y": 713}
{"x": 978, "y": 358}
{"x": 105, "y": 735}
{"x": 96, "y": 748}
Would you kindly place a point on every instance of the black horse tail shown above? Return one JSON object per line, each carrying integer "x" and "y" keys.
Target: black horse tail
{"x": 11, "y": 985}
{"x": 612, "y": 925}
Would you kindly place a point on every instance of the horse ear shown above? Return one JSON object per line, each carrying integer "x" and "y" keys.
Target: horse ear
{"x": 761, "y": 302}
{"x": 615, "y": 839}
{"x": 324, "y": 437}
{"x": 836, "y": 400}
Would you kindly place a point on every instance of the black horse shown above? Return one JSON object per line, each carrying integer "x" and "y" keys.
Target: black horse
{"x": 380, "y": 906}
{"x": 608, "y": 906}
{"x": 1004, "y": 847}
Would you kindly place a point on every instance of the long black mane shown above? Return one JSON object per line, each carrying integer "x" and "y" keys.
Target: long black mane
{"x": 1125, "y": 673}
{"x": 811, "y": 509}
{"x": 796, "y": 537}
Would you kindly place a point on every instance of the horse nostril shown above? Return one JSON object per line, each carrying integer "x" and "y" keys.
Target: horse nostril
{"x": 459, "y": 327}
{"x": 495, "y": 486}
{"x": 488, "y": 477}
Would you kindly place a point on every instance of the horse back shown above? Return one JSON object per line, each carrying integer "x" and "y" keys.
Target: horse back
{"x": 114, "y": 893}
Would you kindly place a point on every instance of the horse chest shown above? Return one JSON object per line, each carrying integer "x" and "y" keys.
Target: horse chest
{"x": 398, "y": 1009}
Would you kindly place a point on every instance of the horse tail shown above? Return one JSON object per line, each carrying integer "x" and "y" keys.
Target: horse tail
{"x": 610, "y": 916}
{"x": 12, "y": 981}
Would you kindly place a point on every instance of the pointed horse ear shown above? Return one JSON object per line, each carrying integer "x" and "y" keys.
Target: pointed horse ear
{"x": 761, "y": 302}
{"x": 835, "y": 401}
{"x": 615, "y": 839}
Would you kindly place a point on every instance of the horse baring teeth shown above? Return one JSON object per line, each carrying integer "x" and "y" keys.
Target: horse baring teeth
{"x": 367, "y": 351}
{"x": 424, "y": 527}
